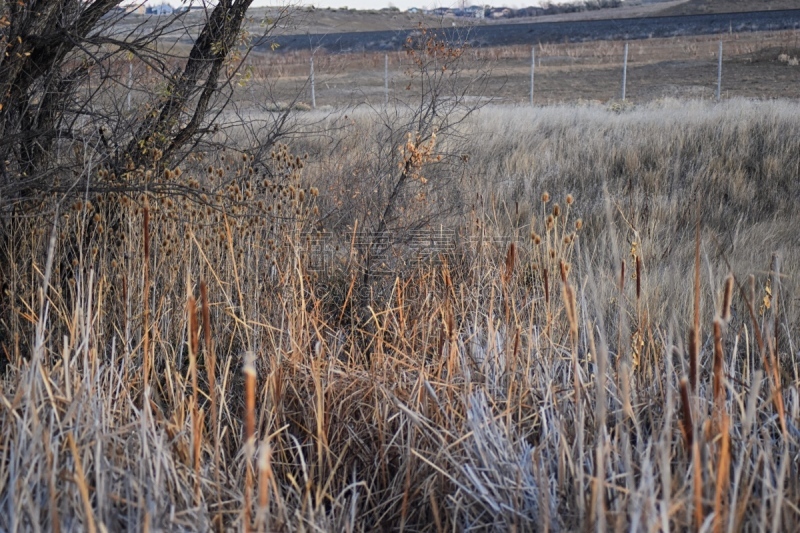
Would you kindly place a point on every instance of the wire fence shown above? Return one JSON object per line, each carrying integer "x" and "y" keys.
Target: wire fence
{"x": 752, "y": 65}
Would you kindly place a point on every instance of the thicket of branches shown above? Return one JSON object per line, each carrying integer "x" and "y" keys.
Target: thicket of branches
{"x": 69, "y": 72}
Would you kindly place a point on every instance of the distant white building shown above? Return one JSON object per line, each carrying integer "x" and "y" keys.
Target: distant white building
{"x": 474, "y": 11}
{"x": 163, "y": 9}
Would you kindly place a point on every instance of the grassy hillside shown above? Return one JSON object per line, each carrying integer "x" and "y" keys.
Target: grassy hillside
{"x": 576, "y": 359}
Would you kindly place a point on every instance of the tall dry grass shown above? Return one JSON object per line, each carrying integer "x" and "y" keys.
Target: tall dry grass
{"x": 533, "y": 378}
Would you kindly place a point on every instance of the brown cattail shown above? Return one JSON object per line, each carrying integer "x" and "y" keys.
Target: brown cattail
{"x": 570, "y": 199}
{"x": 694, "y": 348}
{"x": 511, "y": 255}
{"x": 250, "y": 400}
{"x": 727, "y": 298}
{"x": 686, "y": 411}
{"x": 571, "y": 309}
{"x": 622, "y": 276}
{"x": 638, "y": 278}
{"x": 718, "y": 372}
{"x": 564, "y": 270}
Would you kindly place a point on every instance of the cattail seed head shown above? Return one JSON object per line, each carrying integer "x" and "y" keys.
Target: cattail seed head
{"x": 556, "y": 210}
{"x": 727, "y": 298}
{"x": 570, "y": 199}
{"x": 545, "y": 197}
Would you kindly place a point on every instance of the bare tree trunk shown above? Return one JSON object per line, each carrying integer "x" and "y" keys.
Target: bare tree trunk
{"x": 201, "y": 74}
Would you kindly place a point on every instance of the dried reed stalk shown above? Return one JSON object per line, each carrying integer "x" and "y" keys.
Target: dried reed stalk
{"x": 80, "y": 480}
{"x": 773, "y": 352}
{"x": 698, "y": 486}
{"x": 399, "y": 290}
{"x": 767, "y": 352}
{"x": 211, "y": 365}
{"x": 723, "y": 474}
{"x": 55, "y": 519}
{"x": 598, "y": 503}
{"x": 249, "y": 434}
{"x": 265, "y": 477}
{"x": 191, "y": 309}
{"x": 146, "y": 299}
{"x": 694, "y": 333}
{"x": 248, "y": 491}
{"x": 546, "y": 279}
{"x": 775, "y": 274}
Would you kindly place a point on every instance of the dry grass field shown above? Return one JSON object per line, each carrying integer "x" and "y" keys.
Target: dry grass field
{"x": 452, "y": 312}
{"x": 577, "y": 359}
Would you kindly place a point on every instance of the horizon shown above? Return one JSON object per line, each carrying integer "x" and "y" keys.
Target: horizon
{"x": 364, "y": 5}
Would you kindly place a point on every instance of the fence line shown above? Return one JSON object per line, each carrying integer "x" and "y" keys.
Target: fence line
{"x": 625, "y": 72}
{"x": 719, "y": 72}
{"x": 313, "y": 89}
{"x": 662, "y": 67}
{"x": 533, "y": 67}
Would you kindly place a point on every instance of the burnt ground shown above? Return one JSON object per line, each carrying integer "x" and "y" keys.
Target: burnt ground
{"x": 552, "y": 32}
